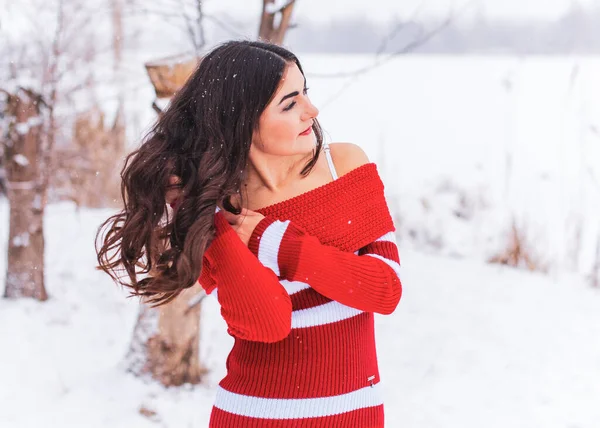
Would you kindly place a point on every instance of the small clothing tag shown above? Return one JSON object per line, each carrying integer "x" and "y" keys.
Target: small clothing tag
{"x": 371, "y": 379}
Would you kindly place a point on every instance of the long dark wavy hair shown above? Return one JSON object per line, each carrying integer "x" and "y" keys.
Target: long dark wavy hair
{"x": 204, "y": 138}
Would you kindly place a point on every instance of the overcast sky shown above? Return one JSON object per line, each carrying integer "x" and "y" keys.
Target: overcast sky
{"x": 384, "y": 9}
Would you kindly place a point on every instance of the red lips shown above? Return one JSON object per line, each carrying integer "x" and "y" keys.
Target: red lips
{"x": 307, "y": 132}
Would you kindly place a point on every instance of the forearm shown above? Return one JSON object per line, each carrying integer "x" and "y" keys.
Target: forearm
{"x": 369, "y": 281}
{"x": 253, "y": 302}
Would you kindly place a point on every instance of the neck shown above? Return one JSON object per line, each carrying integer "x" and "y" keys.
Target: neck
{"x": 273, "y": 173}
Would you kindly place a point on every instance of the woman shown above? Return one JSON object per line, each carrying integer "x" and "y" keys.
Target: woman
{"x": 298, "y": 258}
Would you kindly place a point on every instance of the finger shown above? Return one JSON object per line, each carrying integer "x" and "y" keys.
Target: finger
{"x": 174, "y": 180}
{"x": 172, "y": 196}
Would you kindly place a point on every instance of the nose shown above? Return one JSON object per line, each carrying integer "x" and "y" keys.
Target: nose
{"x": 310, "y": 111}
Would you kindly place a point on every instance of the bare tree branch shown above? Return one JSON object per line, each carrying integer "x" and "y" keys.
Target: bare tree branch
{"x": 191, "y": 30}
{"x": 381, "y": 59}
{"x": 199, "y": 25}
{"x": 397, "y": 29}
{"x": 175, "y": 12}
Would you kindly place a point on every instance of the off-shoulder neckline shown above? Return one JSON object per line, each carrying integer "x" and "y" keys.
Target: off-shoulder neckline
{"x": 317, "y": 190}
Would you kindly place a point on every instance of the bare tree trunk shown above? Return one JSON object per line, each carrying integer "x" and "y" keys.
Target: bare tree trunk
{"x": 117, "y": 23}
{"x": 26, "y": 195}
{"x": 270, "y": 30}
{"x": 166, "y": 341}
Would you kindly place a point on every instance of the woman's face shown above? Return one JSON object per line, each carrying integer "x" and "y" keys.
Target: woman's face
{"x": 285, "y": 127}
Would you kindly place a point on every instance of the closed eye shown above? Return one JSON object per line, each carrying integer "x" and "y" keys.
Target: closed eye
{"x": 293, "y": 103}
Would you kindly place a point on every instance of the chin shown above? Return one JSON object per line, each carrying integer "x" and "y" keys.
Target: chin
{"x": 307, "y": 141}
{"x": 307, "y": 146}
{"x": 302, "y": 145}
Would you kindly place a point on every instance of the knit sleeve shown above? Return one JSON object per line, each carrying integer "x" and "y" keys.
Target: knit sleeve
{"x": 253, "y": 302}
{"x": 368, "y": 281}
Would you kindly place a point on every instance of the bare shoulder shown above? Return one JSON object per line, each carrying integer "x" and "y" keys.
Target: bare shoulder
{"x": 347, "y": 156}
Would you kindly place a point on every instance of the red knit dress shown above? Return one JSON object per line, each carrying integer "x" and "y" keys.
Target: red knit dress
{"x": 299, "y": 301}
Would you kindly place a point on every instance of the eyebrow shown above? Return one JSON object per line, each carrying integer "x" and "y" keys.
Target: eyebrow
{"x": 292, "y": 94}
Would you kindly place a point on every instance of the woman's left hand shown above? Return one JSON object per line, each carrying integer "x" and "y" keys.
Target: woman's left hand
{"x": 243, "y": 224}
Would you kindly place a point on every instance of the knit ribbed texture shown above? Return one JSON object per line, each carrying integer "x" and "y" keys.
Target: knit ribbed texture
{"x": 299, "y": 301}
{"x": 256, "y": 305}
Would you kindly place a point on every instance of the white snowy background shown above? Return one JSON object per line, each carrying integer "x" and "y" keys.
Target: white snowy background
{"x": 465, "y": 146}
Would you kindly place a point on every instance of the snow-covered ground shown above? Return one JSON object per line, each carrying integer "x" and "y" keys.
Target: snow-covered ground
{"x": 470, "y": 345}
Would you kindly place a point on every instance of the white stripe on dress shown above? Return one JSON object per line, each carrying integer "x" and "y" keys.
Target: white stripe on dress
{"x": 395, "y": 266}
{"x": 296, "y": 408}
{"x": 326, "y": 313}
{"x": 271, "y": 237}
{"x": 293, "y": 287}
{"x": 388, "y": 237}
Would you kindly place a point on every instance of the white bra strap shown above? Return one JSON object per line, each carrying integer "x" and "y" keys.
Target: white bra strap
{"x": 330, "y": 161}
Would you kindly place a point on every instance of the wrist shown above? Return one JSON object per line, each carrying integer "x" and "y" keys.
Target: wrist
{"x": 258, "y": 233}
{"x": 275, "y": 245}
